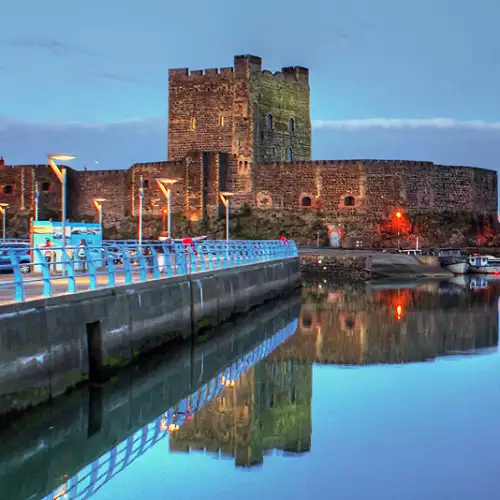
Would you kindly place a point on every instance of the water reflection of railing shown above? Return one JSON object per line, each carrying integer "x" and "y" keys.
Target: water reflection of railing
{"x": 92, "y": 477}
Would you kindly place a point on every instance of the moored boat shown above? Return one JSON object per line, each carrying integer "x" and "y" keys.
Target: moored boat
{"x": 453, "y": 260}
{"x": 484, "y": 264}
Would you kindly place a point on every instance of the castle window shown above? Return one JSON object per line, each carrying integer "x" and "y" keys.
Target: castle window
{"x": 289, "y": 155}
{"x": 145, "y": 184}
{"x": 306, "y": 321}
{"x": 245, "y": 110}
{"x": 221, "y": 121}
{"x": 9, "y": 189}
{"x": 305, "y": 201}
{"x": 292, "y": 395}
{"x": 246, "y": 165}
{"x": 269, "y": 121}
{"x": 349, "y": 201}
{"x": 274, "y": 152}
{"x": 45, "y": 187}
{"x": 262, "y": 136}
{"x": 291, "y": 126}
{"x": 240, "y": 165}
{"x": 193, "y": 123}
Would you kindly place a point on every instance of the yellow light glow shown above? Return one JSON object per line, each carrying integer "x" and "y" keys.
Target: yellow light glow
{"x": 399, "y": 214}
{"x": 62, "y": 157}
{"x": 167, "y": 181}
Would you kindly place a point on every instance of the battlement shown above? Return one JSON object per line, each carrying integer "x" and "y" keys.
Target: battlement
{"x": 184, "y": 74}
{"x": 244, "y": 66}
{"x": 395, "y": 163}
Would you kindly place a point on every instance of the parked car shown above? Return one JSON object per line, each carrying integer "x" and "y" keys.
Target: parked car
{"x": 22, "y": 250}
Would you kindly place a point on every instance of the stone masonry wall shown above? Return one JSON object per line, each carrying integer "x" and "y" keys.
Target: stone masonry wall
{"x": 281, "y": 114}
{"x": 374, "y": 187}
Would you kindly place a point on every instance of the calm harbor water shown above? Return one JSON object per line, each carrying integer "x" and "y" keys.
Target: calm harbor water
{"x": 379, "y": 392}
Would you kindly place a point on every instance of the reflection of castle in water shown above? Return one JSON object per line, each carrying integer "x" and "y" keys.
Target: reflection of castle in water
{"x": 268, "y": 408}
{"x": 349, "y": 326}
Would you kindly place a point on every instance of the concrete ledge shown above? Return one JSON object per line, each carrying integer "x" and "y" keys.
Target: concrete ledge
{"x": 50, "y": 345}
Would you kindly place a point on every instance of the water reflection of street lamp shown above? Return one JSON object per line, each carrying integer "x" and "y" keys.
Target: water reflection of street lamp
{"x": 61, "y": 175}
{"x": 98, "y": 205}
{"x": 3, "y": 211}
{"x": 398, "y": 217}
{"x": 224, "y": 197}
{"x": 165, "y": 186}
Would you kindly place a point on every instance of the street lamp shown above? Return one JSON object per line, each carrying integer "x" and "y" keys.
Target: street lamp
{"x": 141, "y": 198}
{"x": 98, "y": 205}
{"x": 3, "y": 211}
{"x": 37, "y": 201}
{"x": 398, "y": 217}
{"x": 224, "y": 197}
{"x": 61, "y": 175}
{"x": 165, "y": 186}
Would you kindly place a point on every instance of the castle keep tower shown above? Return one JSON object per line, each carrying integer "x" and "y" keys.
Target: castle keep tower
{"x": 254, "y": 115}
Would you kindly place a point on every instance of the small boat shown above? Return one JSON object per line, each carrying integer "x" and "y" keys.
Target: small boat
{"x": 484, "y": 264}
{"x": 452, "y": 260}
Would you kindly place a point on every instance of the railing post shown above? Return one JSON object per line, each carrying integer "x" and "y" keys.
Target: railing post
{"x": 180, "y": 258}
{"x": 91, "y": 269}
{"x": 18, "y": 276}
{"x": 47, "y": 284}
{"x": 142, "y": 263}
{"x": 167, "y": 249}
{"x": 127, "y": 265}
{"x": 209, "y": 251}
{"x": 110, "y": 265}
{"x": 156, "y": 269}
{"x": 70, "y": 270}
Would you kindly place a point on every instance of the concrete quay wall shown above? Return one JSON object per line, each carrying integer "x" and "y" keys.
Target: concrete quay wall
{"x": 50, "y": 345}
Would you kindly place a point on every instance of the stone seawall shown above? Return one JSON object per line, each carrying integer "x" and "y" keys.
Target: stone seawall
{"x": 337, "y": 267}
{"x": 96, "y": 421}
{"x": 50, "y": 345}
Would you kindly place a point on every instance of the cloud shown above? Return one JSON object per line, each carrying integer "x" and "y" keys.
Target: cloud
{"x": 55, "y": 47}
{"x": 406, "y": 123}
{"x": 116, "y": 77}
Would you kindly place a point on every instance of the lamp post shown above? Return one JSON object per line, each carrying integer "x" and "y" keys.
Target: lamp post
{"x": 141, "y": 198}
{"x": 224, "y": 197}
{"x": 98, "y": 205}
{"x": 3, "y": 211}
{"x": 37, "y": 201}
{"x": 398, "y": 217}
{"x": 165, "y": 186}
{"x": 61, "y": 175}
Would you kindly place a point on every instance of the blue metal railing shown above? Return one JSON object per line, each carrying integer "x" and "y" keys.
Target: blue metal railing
{"x": 48, "y": 271}
{"x": 91, "y": 478}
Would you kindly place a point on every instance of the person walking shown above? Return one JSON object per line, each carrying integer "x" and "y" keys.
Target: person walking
{"x": 50, "y": 255}
{"x": 81, "y": 255}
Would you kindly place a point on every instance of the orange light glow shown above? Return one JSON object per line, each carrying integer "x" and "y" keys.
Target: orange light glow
{"x": 173, "y": 427}
{"x": 163, "y": 424}
{"x": 399, "y": 214}
{"x": 227, "y": 382}
{"x": 399, "y": 311}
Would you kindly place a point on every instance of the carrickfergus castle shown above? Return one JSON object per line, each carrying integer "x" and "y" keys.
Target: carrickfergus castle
{"x": 248, "y": 131}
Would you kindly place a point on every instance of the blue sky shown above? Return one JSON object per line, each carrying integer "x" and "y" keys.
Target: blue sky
{"x": 389, "y": 79}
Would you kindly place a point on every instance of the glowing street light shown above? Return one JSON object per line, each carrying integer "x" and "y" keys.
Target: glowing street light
{"x": 37, "y": 201}
{"x": 141, "y": 199}
{"x": 224, "y": 197}
{"x": 98, "y": 205}
{"x": 398, "y": 217}
{"x": 3, "y": 211}
{"x": 62, "y": 176}
{"x": 165, "y": 186}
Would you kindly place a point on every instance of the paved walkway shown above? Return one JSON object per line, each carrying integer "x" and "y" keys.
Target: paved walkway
{"x": 34, "y": 290}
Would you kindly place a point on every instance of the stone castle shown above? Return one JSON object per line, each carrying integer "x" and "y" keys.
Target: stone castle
{"x": 248, "y": 131}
